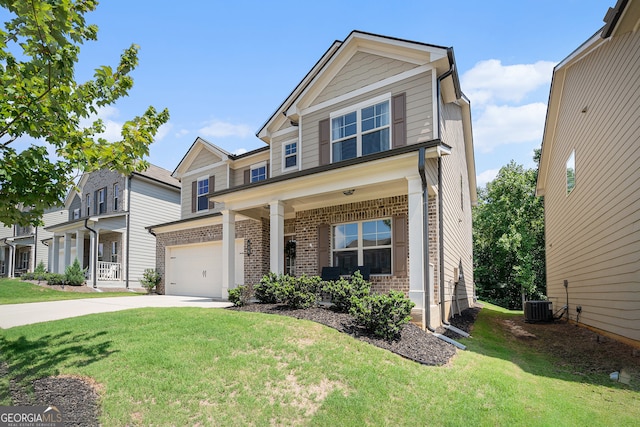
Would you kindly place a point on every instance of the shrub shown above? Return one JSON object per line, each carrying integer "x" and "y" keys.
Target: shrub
{"x": 240, "y": 295}
{"x": 150, "y": 279}
{"x": 27, "y": 276}
{"x": 74, "y": 274}
{"x": 40, "y": 271}
{"x": 267, "y": 290}
{"x": 298, "y": 292}
{"x": 342, "y": 291}
{"x": 54, "y": 279}
{"x": 383, "y": 315}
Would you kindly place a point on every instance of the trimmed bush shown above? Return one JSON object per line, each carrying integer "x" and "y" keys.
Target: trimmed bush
{"x": 342, "y": 291}
{"x": 240, "y": 295}
{"x": 298, "y": 292}
{"x": 74, "y": 274}
{"x": 267, "y": 290}
{"x": 150, "y": 279}
{"x": 27, "y": 276}
{"x": 54, "y": 279}
{"x": 40, "y": 271}
{"x": 383, "y": 315}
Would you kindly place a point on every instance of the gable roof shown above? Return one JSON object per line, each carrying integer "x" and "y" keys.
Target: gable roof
{"x": 622, "y": 18}
{"x": 156, "y": 173}
{"x": 334, "y": 59}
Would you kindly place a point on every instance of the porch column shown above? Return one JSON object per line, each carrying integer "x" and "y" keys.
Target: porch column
{"x": 32, "y": 258}
{"x": 416, "y": 247}
{"x": 55, "y": 264}
{"x": 276, "y": 237}
{"x": 12, "y": 261}
{"x": 67, "y": 250}
{"x": 80, "y": 247}
{"x": 93, "y": 256}
{"x": 228, "y": 252}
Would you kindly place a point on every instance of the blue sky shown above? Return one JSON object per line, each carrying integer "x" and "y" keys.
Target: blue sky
{"x": 222, "y": 68}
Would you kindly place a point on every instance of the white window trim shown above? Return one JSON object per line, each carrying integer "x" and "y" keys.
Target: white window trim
{"x": 116, "y": 196}
{"x": 360, "y": 248}
{"x": 102, "y": 200}
{"x": 284, "y": 156}
{"x": 258, "y": 166}
{"x": 202, "y": 178}
{"x": 357, "y": 108}
{"x": 566, "y": 173}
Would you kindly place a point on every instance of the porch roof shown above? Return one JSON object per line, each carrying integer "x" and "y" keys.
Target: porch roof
{"x": 79, "y": 223}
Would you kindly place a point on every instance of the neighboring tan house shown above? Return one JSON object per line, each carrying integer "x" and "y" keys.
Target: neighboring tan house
{"x": 589, "y": 176}
{"x": 375, "y": 126}
{"x": 22, "y": 249}
{"x": 106, "y": 224}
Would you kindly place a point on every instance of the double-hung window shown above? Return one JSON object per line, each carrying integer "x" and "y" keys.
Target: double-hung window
{"x": 88, "y": 203}
{"x": 361, "y": 131}
{"x": 365, "y": 243}
{"x": 290, "y": 155}
{"x": 114, "y": 251}
{"x": 259, "y": 172}
{"x": 116, "y": 195}
{"x": 102, "y": 201}
{"x": 203, "y": 193}
{"x": 571, "y": 172}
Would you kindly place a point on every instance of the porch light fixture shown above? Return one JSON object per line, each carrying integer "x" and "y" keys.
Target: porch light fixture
{"x": 248, "y": 247}
{"x": 348, "y": 192}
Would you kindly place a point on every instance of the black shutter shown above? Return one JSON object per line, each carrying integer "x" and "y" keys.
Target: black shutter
{"x": 247, "y": 176}
{"x": 398, "y": 117}
{"x": 325, "y": 141}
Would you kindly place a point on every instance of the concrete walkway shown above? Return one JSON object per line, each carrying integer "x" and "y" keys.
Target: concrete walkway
{"x": 25, "y": 314}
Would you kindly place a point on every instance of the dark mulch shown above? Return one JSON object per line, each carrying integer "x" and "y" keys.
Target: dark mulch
{"x": 413, "y": 343}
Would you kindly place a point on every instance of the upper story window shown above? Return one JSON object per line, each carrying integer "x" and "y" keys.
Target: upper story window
{"x": 365, "y": 243}
{"x": 290, "y": 155}
{"x": 76, "y": 213}
{"x": 88, "y": 203}
{"x": 259, "y": 172}
{"x": 101, "y": 200}
{"x": 363, "y": 130}
{"x": 116, "y": 196}
{"x": 571, "y": 172}
{"x": 203, "y": 194}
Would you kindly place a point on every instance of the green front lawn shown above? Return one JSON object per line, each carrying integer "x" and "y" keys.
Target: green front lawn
{"x": 191, "y": 366}
{"x": 14, "y": 291}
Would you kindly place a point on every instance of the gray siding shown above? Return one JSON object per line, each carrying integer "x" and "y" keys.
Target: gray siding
{"x": 205, "y": 158}
{"x": 419, "y": 115}
{"x": 592, "y": 234}
{"x": 458, "y": 246}
{"x": 220, "y": 172}
{"x": 150, "y": 204}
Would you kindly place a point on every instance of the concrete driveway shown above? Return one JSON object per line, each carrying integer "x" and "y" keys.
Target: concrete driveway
{"x": 25, "y": 314}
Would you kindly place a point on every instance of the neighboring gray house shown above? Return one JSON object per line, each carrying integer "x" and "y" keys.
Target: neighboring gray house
{"x": 22, "y": 249}
{"x": 368, "y": 164}
{"x": 105, "y": 227}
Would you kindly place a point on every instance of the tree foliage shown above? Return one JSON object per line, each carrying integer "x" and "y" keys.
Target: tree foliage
{"x": 40, "y": 98}
{"x": 508, "y": 238}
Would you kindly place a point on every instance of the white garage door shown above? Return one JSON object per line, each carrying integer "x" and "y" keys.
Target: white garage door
{"x": 196, "y": 270}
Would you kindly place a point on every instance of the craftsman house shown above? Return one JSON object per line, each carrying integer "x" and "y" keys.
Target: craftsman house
{"x": 590, "y": 178}
{"x": 105, "y": 227}
{"x": 368, "y": 164}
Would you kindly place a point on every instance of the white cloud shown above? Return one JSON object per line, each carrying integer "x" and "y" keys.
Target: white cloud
{"x": 181, "y": 133}
{"x": 486, "y": 176}
{"x": 490, "y": 81}
{"x": 220, "y": 129}
{"x": 163, "y": 131}
{"x": 239, "y": 151}
{"x": 501, "y": 125}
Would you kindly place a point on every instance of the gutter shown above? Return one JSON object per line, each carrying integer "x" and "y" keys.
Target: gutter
{"x": 94, "y": 269}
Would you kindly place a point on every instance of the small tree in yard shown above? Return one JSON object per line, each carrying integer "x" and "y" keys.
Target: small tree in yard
{"x": 74, "y": 274}
{"x": 150, "y": 279}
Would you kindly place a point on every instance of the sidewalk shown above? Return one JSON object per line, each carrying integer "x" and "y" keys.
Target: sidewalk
{"x": 25, "y": 314}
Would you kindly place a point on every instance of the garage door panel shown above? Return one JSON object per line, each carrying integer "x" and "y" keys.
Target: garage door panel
{"x": 196, "y": 270}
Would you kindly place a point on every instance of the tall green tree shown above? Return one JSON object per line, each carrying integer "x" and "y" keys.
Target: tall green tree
{"x": 508, "y": 238}
{"x": 40, "y": 98}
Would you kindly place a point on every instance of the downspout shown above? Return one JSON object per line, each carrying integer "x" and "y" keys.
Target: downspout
{"x": 425, "y": 245}
{"x": 94, "y": 250}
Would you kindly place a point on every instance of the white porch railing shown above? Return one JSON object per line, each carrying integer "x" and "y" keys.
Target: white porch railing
{"x": 109, "y": 270}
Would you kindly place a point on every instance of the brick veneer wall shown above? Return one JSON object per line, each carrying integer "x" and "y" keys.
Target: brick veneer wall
{"x": 306, "y": 232}
{"x": 255, "y": 264}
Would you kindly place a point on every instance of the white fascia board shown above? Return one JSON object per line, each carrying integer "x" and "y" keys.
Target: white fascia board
{"x": 285, "y": 131}
{"x": 594, "y": 42}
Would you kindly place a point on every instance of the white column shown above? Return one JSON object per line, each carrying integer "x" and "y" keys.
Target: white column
{"x": 12, "y": 262}
{"x": 67, "y": 249}
{"x": 80, "y": 247}
{"x": 32, "y": 256}
{"x": 93, "y": 256}
{"x": 417, "y": 281}
{"x": 228, "y": 252}
{"x": 276, "y": 237}
{"x": 55, "y": 263}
